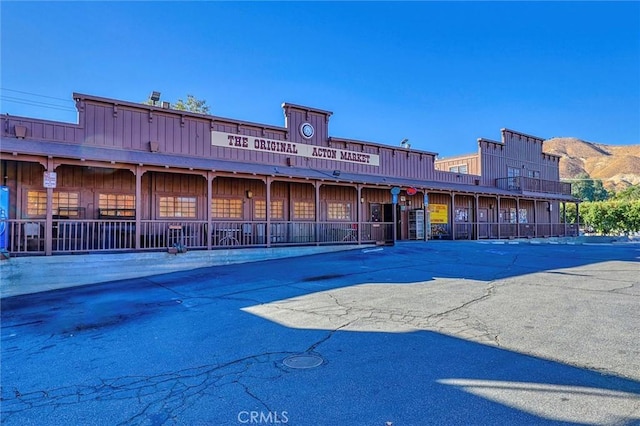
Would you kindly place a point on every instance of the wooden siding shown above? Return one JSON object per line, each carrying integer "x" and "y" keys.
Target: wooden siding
{"x": 134, "y": 127}
{"x": 518, "y": 151}
{"x": 471, "y": 161}
{"x": 295, "y": 116}
{"x": 88, "y": 182}
{"x": 42, "y": 129}
{"x": 461, "y": 178}
{"x": 379, "y": 196}
{"x": 168, "y": 184}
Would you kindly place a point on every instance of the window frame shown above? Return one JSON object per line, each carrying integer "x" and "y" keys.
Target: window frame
{"x": 234, "y": 205}
{"x": 176, "y": 198}
{"x": 347, "y": 213}
{"x": 309, "y": 210}
{"x": 125, "y": 208}
{"x": 462, "y": 169}
{"x": 73, "y": 210}
{"x": 257, "y": 211}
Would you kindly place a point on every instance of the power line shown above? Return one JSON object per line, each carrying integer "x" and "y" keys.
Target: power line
{"x": 35, "y": 103}
{"x": 35, "y": 94}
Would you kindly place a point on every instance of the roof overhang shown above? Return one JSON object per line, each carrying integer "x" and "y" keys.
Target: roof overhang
{"x": 110, "y": 156}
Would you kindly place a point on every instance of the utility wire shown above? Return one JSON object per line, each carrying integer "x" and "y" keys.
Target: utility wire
{"x": 35, "y": 94}
{"x": 35, "y": 103}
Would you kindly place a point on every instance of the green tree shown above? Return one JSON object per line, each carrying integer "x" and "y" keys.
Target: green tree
{"x": 587, "y": 189}
{"x": 606, "y": 217}
{"x": 192, "y": 104}
{"x": 569, "y": 212}
{"x": 633, "y": 216}
{"x": 631, "y": 193}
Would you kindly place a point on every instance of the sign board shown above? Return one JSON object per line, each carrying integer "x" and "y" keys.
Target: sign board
{"x": 4, "y": 215}
{"x": 395, "y": 190}
{"x": 394, "y": 198}
{"x": 50, "y": 179}
{"x": 412, "y": 191}
{"x": 253, "y": 143}
{"x": 439, "y": 213}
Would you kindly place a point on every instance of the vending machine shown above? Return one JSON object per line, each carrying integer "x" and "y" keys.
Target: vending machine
{"x": 4, "y": 218}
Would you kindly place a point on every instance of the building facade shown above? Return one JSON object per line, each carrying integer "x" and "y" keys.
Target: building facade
{"x": 131, "y": 176}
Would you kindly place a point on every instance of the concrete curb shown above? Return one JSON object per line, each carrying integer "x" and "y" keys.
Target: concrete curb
{"x": 583, "y": 240}
{"x": 25, "y": 275}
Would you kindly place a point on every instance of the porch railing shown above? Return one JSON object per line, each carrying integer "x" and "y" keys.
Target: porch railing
{"x": 495, "y": 230}
{"x": 26, "y": 236}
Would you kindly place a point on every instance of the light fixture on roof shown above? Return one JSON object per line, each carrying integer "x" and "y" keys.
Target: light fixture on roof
{"x": 405, "y": 143}
{"x": 154, "y": 97}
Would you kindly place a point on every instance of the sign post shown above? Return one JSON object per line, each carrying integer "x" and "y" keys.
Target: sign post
{"x": 394, "y": 199}
{"x": 427, "y": 217}
{"x": 4, "y": 218}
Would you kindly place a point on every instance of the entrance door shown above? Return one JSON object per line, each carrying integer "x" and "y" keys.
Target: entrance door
{"x": 387, "y": 216}
{"x": 483, "y": 227}
{"x": 376, "y": 215}
{"x": 375, "y": 212}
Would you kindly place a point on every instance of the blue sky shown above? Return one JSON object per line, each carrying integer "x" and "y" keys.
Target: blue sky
{"x": 439, "y": 73}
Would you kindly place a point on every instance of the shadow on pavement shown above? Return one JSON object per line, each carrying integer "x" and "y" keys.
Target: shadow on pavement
{"x": 193, "y": 348}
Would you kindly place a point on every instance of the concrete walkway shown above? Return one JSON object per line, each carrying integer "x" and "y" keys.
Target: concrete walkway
{"x": 33, "y": 274}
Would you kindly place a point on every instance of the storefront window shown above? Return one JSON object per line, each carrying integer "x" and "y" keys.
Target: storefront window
{"x": 462, "y": 169}
{"x": 304, "y": 210}
{"x": 179, "y": 207}
{"x": 224, "y": 208}
{"x": 339, "y": 211}
{"x": 37, "y": 203}
{"x": 117, "y": 204}
{"x": 277, "y": 209}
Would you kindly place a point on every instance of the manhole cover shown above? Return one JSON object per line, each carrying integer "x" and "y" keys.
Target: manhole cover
{"x": 302, "y": 361}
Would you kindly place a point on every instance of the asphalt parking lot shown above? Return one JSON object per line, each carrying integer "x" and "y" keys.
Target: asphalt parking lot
{"x": 436, "y": 333}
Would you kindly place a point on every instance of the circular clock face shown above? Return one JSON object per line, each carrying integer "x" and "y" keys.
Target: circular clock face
{"x": 307, "y": 130}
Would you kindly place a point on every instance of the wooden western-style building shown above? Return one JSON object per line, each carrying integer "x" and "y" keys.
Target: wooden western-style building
{"x": 132, "y": 176}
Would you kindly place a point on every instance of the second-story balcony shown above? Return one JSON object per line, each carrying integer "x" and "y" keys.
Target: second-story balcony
{"x": 523, "y": 184}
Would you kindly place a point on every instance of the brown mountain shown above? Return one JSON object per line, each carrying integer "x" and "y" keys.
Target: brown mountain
{"x": 618, "y": 166}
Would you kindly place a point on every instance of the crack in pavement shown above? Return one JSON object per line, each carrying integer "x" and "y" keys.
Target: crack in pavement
{"x": 490, "y": 291}
{"x": 253, "y": 396}
{"x": 591, "y": 290}
{"x": 332, "y": 332}
{"x": 165, "y": 394}
{"x": 354, "y": 315}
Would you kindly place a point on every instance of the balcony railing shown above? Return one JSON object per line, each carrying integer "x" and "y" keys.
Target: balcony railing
{"x": 526, "y": 184}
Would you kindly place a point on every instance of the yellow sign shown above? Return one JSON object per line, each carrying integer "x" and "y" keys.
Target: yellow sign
{"x": 439, "y": 213}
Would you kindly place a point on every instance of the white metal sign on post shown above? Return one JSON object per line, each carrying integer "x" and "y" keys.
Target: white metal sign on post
{"x": 50, "y": 179}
